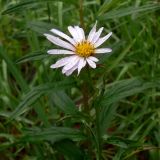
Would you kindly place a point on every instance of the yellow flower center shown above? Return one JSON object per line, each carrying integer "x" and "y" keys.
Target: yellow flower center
{"x": 85, "y": 49}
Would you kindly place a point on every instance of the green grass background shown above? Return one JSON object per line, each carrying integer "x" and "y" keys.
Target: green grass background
{"x": 42, "y": 112}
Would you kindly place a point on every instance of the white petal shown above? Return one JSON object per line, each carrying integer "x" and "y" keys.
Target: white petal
{"x": 92, "y": 33}
{"x": 91, "y": 63}
{"x": 93, "y": 59}
{"x": 50, "y": 38}
{"x": 62, "y": 62}
{"x": 61, "y": 34}
{"x": 80, "y": 33}
{"x": 69, "y": 72}
{"x": 59, "y": 51}
{"x": 102, "y": 40}
{"x": 83, "y": 34}
{"x": 81, "y": 64}
{"x": 103, "y": 50}
{"x": 59, "y": 42}
{"x": 97, "y": 35}
{"x": 71, "y": 64}
{"x": 84, "y": 63}
{"x": 74, "y": 33}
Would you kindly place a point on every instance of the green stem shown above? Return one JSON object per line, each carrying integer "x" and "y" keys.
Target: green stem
{"x": 98, "y": 130}
{"x": 85, "y": 97}
{"x": 86, "y": 89}
{"x": 99, "y": 147}
{"x": 81, "y": 13}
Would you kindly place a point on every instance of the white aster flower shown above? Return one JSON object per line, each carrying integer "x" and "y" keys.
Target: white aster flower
{"x": 81, "y": 49}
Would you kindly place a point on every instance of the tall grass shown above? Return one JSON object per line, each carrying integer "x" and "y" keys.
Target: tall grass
{"x": 45, "y": 115}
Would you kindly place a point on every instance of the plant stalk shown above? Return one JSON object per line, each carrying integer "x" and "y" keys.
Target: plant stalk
{"x": 81, "y": 14}
{"x": 99, "y": 146}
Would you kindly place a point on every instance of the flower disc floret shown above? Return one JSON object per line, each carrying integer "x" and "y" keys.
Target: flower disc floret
{"x": 84, "y": 49}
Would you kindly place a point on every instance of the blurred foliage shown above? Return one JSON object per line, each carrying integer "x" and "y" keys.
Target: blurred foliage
{"x": 43, "y": 113}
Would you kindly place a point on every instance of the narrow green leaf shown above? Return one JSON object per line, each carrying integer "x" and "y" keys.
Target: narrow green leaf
{"x": 130, "y": 10}
{"x": 36, "y": 56}
{"x": 25, "y": 4}
{"x": 122, "y": 89}
{"x": 107, "y": 5}
{"x": 21, "y": 119}
{"x": 52, "y": 134}
{"x": 20, "y": 6}
{"x": 64, "y": 103}
{"x": 35, "y": 93}
{"x": 14, "y": 6}
{"x": 106, "y": 116}
{"x": 119, "y": 154}
{"x": 40, "y": 27}
{"x": 122, "y": 142}
{"x": 13, "y": 69}
{"x": 116, "y": 92}
{"x": 69, "y": 150}
{"x": 60, "y": 14}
